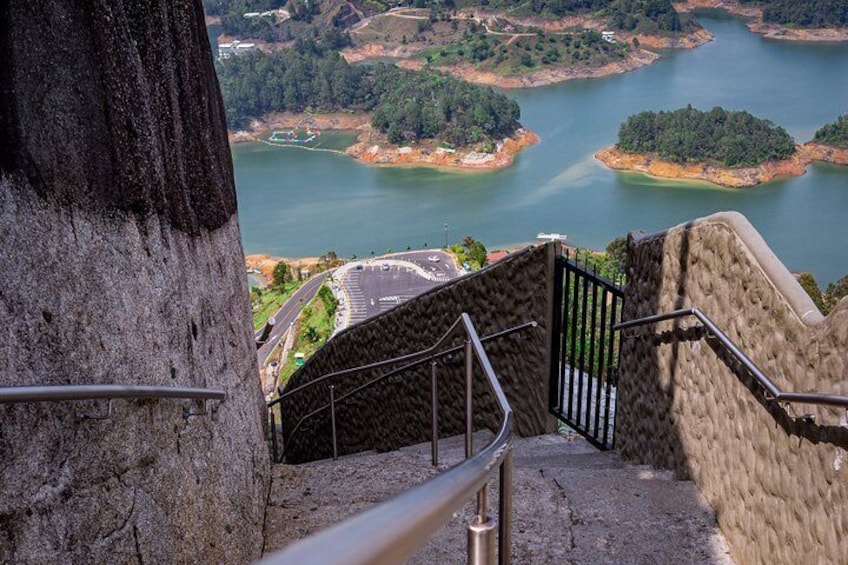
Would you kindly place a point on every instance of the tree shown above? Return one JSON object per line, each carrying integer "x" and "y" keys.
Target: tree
{"x": 834, "y": 293}
{"x": 281, "y": 274}
{"x": 617, "y": 252}
{"x": 475, "y": 251}
{"x": 809, "y": 284}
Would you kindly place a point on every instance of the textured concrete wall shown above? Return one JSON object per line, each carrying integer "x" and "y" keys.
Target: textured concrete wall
{"x": 397, "y": 412}
{"x": 779, "y": 486}
{"x": 121, "y": 263}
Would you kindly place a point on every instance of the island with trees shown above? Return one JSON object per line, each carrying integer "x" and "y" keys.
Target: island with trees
{"x": 791, "y": 20}
{"x": 830, "y": 142}
{"x": 403, "y": 116}
{"x": 733, "y": 149}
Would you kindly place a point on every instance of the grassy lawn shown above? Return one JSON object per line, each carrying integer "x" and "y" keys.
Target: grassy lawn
{"x": 267, "y": 301}
{"x": 313, "y": 329}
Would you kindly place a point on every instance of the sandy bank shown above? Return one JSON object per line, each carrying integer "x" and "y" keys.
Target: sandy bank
{"x": 724, "y": 176}
{"x": 769, "y": 30}
{"x": 373, "y": 150}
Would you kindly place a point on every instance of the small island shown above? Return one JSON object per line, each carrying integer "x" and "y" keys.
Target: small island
{"x": 830, "y": 142}
{"x": 733, "y": 149}
{"x": 402, "y": 117}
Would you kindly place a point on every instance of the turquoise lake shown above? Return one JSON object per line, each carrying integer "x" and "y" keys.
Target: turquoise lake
{"x": 297, "y": 203}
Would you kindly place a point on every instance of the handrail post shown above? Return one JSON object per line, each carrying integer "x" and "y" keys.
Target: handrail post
{"x": 469, "y": 416}
{"x": 481, "y": 534}
{"x": 333, "y": 420}
{"x": 273, "y": 434}
{"x": 505, "y": 510}
{"x": 434, "y": 408}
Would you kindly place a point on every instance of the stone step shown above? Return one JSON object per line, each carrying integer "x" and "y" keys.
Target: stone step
{"x": 572, "y": 504}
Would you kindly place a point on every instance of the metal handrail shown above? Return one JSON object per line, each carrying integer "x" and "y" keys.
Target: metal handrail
{"x": 423, "y": 355}
{"x": 762, "y": 378}
{"x": 405, "y": 522}
{"x": 376, "y": 380}
{"x": 55, "y": 393}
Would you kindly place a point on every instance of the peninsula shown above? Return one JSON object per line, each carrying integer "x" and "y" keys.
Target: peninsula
{"x": 787, "y": 20}
{"x": 515, "y": 44}
{"x": 507, "y": 43}
{"x": 402, "y": 117}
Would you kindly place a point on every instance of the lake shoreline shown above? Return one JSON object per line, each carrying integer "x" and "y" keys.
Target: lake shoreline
{"x": 767, "y": 30}
{"x": 729, "y": 177}
{"x": 373, "y": 148}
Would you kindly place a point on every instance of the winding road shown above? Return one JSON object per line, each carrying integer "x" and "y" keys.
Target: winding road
{"x": 287, "y": 313}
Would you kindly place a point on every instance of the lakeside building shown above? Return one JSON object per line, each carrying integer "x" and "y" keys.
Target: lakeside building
{"x": 227, "y": 50}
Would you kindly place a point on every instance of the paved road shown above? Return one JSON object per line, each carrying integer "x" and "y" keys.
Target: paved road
{"x": 288, "y": 312}
{"x": 379, "y": 284}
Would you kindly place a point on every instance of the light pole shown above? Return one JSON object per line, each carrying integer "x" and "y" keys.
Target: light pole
{"x": 446, "y": 236}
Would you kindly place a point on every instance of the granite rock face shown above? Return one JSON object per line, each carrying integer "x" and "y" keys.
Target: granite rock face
{"x": 397, "y": 412}
{"x": 121, "y": 263}
{"x": 778, "y": 483}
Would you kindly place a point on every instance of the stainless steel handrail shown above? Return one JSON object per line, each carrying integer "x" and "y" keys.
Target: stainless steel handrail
{"x": 762, "y": 378}
{"x": 422, "y": 356}
{"x": 92, "y": 392}
{"x": 405, "y": 522}
{"x": 377, "y": 380}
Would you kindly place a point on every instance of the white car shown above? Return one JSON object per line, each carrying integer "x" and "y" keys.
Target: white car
{"x": 384, "y": 267}
{"x": 433, "y": 258}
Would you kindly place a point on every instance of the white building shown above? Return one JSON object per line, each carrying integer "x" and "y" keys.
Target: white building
{"x": 608, "y": 36}
{"x": 227, "y": 50}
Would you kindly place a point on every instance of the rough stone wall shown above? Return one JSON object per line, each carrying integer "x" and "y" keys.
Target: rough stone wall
{"x": 121, "y": 263}
{"x": 779, "y": 485}
{"x": 395, "y": 413}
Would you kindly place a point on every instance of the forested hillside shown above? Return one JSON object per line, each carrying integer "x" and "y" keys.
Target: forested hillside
{"x": 734, "y": 139}
{"x": 405, "y": 105}
{"x": 804, "y": 13}
{"x": 835, "y": 134}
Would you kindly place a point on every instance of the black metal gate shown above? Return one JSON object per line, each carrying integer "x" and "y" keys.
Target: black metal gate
{"x": 585, "y": 350}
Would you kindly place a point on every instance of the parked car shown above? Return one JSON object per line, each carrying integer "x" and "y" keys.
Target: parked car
{"x": 384, "y": 267}
{"x": 433, "y": 258}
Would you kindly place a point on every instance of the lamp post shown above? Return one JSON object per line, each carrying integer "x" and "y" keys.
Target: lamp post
{"x": 446, "y": 236}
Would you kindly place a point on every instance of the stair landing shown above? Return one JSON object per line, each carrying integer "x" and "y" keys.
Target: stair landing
{"x": 572, "y": 504}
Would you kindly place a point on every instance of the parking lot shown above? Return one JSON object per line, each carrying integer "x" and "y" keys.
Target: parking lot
{"x": 373, "y": 286}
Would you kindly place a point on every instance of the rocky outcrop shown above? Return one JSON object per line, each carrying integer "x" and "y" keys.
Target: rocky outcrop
{"x": 725, "y": 176}
{"x": 122, "y": 263}
{"x": 827, "y": 153}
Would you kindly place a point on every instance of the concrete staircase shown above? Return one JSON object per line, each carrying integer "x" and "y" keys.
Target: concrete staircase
{"x": 573, "y": 504}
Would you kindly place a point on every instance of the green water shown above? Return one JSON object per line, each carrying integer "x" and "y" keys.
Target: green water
{"x": 294, "y": 202}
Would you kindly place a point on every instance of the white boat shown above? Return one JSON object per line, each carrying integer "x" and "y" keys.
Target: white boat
{"x": 552, "y": 236}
